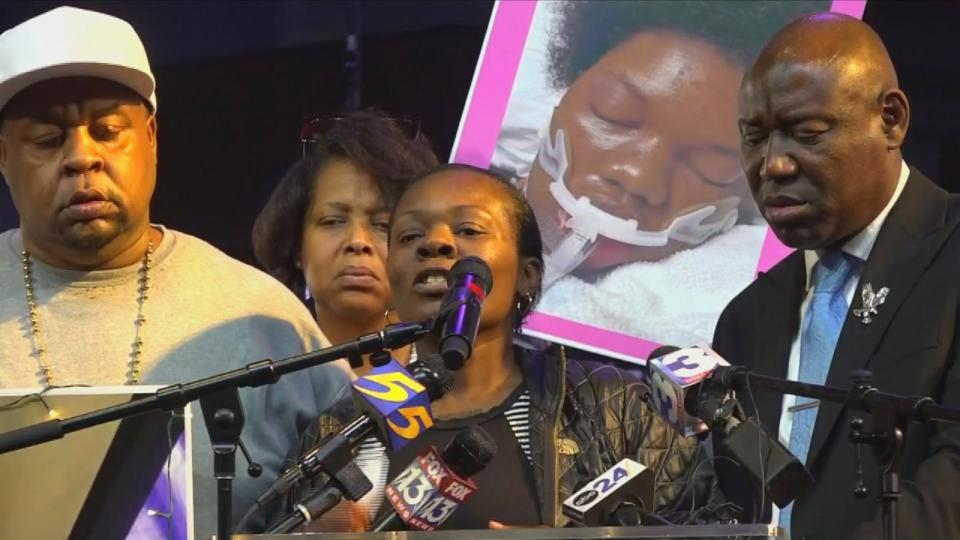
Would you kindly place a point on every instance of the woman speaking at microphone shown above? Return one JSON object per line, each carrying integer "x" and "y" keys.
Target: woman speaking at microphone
{"x": 556, "y": 420}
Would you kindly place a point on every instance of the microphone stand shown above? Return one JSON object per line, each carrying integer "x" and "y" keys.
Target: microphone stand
{"x": 220, "y": 401}
{"x": 333, "y": 456}
{"x": 223, "y": 417}
{"x": 315, "y": 506}
{"x": 892, "y": 413}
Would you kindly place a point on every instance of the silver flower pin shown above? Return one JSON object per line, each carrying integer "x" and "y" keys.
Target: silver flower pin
{"x": 870, "y": 302}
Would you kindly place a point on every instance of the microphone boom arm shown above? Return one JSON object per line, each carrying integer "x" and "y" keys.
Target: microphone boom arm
{"x": 252, "y": 375}
{"x": 892, "y": 413}
{"x": 861, "y": 396}
{"x": 218, "y": 395}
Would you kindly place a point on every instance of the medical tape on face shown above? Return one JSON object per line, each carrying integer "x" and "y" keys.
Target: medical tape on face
{"x": 589, "y": 221}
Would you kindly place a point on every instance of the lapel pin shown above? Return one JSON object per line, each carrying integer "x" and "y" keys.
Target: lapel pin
{"x": 870, "y": 301}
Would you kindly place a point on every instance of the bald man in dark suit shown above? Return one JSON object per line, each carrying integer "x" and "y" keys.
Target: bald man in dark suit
{"x": 874, "y": 283}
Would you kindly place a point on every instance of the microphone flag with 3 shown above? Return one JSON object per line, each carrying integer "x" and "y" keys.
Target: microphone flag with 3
{"x": 468, "y": 284}
{"x": 676, "y": 374}
{"x": 431, "y": 488}
{"x": 687, "y": 397}
{"x": 626, "y": 483}
{"x": 396, "y": 402}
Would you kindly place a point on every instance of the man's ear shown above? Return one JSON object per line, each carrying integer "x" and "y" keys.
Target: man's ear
{"x": 895, "y": 117}
{"x": 152, "y": 135}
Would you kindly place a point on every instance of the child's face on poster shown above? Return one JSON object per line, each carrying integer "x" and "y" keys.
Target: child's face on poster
{"x": 651, "y": 134}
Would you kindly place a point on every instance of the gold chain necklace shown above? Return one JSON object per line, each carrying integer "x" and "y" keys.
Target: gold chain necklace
{"x": 39, "y": 345}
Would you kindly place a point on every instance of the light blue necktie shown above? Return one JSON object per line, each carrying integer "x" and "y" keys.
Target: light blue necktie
{"x": 818, "y": 339}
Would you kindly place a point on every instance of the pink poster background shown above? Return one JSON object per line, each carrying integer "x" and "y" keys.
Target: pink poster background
{"x": 476, "y": 140}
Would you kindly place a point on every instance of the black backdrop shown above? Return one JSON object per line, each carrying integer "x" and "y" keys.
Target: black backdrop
{"x": 236, "y": 79}
{"x": 230, "y": 127}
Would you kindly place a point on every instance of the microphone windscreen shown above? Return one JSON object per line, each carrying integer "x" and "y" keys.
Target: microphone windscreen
{"x": 475, "y": 266}
{"x": 440, "y": 378}
{"x": 470, "y": 451}
{"x": 662, "y": 350}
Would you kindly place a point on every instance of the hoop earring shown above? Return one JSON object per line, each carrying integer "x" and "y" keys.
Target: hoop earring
{"x": 528, "y": 297}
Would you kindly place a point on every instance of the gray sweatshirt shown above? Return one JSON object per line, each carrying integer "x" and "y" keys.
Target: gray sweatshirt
{"x": 206, "y": 313}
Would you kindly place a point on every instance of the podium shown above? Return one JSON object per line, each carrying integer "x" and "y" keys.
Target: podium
{"x": 751, "y": 531}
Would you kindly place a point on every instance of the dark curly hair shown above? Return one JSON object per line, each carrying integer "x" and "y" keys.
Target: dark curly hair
{"x": 522, "y": 220}
{"x": 369, "y": 139}
{"x": 588, "y": 30}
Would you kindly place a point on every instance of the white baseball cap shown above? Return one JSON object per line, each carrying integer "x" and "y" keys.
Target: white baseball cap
{"x": 72, "y": 42}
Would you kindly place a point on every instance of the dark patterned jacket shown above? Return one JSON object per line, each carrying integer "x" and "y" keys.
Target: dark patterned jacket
{"x": 585, "y": 416}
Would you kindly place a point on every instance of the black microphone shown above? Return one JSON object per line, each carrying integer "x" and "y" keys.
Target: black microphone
{"x": 676, "y": 383}
{"x": 431, "y": 488}
{"x": 689, "y": 393}
{"x": 622, "y": 495}
{"x": 468, "y": 284}
{"x": 335, "y": 452}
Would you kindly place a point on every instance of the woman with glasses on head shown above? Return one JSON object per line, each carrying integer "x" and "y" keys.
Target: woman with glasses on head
{"x": 323, "y": 232}
{"x": 557, "y": 421}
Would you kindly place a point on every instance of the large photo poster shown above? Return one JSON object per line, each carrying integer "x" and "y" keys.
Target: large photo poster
{"x": 618, "y": 121}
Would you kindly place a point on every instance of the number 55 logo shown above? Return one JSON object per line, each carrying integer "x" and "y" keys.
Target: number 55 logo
{"x": 414, "y": 418}
{"x": 397, "y": 386}
{"x": 396, "y": 401}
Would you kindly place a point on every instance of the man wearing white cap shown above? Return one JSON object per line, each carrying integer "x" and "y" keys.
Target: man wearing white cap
{"x": 90, "y": 291}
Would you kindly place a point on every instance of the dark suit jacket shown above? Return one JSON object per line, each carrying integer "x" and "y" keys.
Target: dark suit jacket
{"x": 911, "y": 347}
